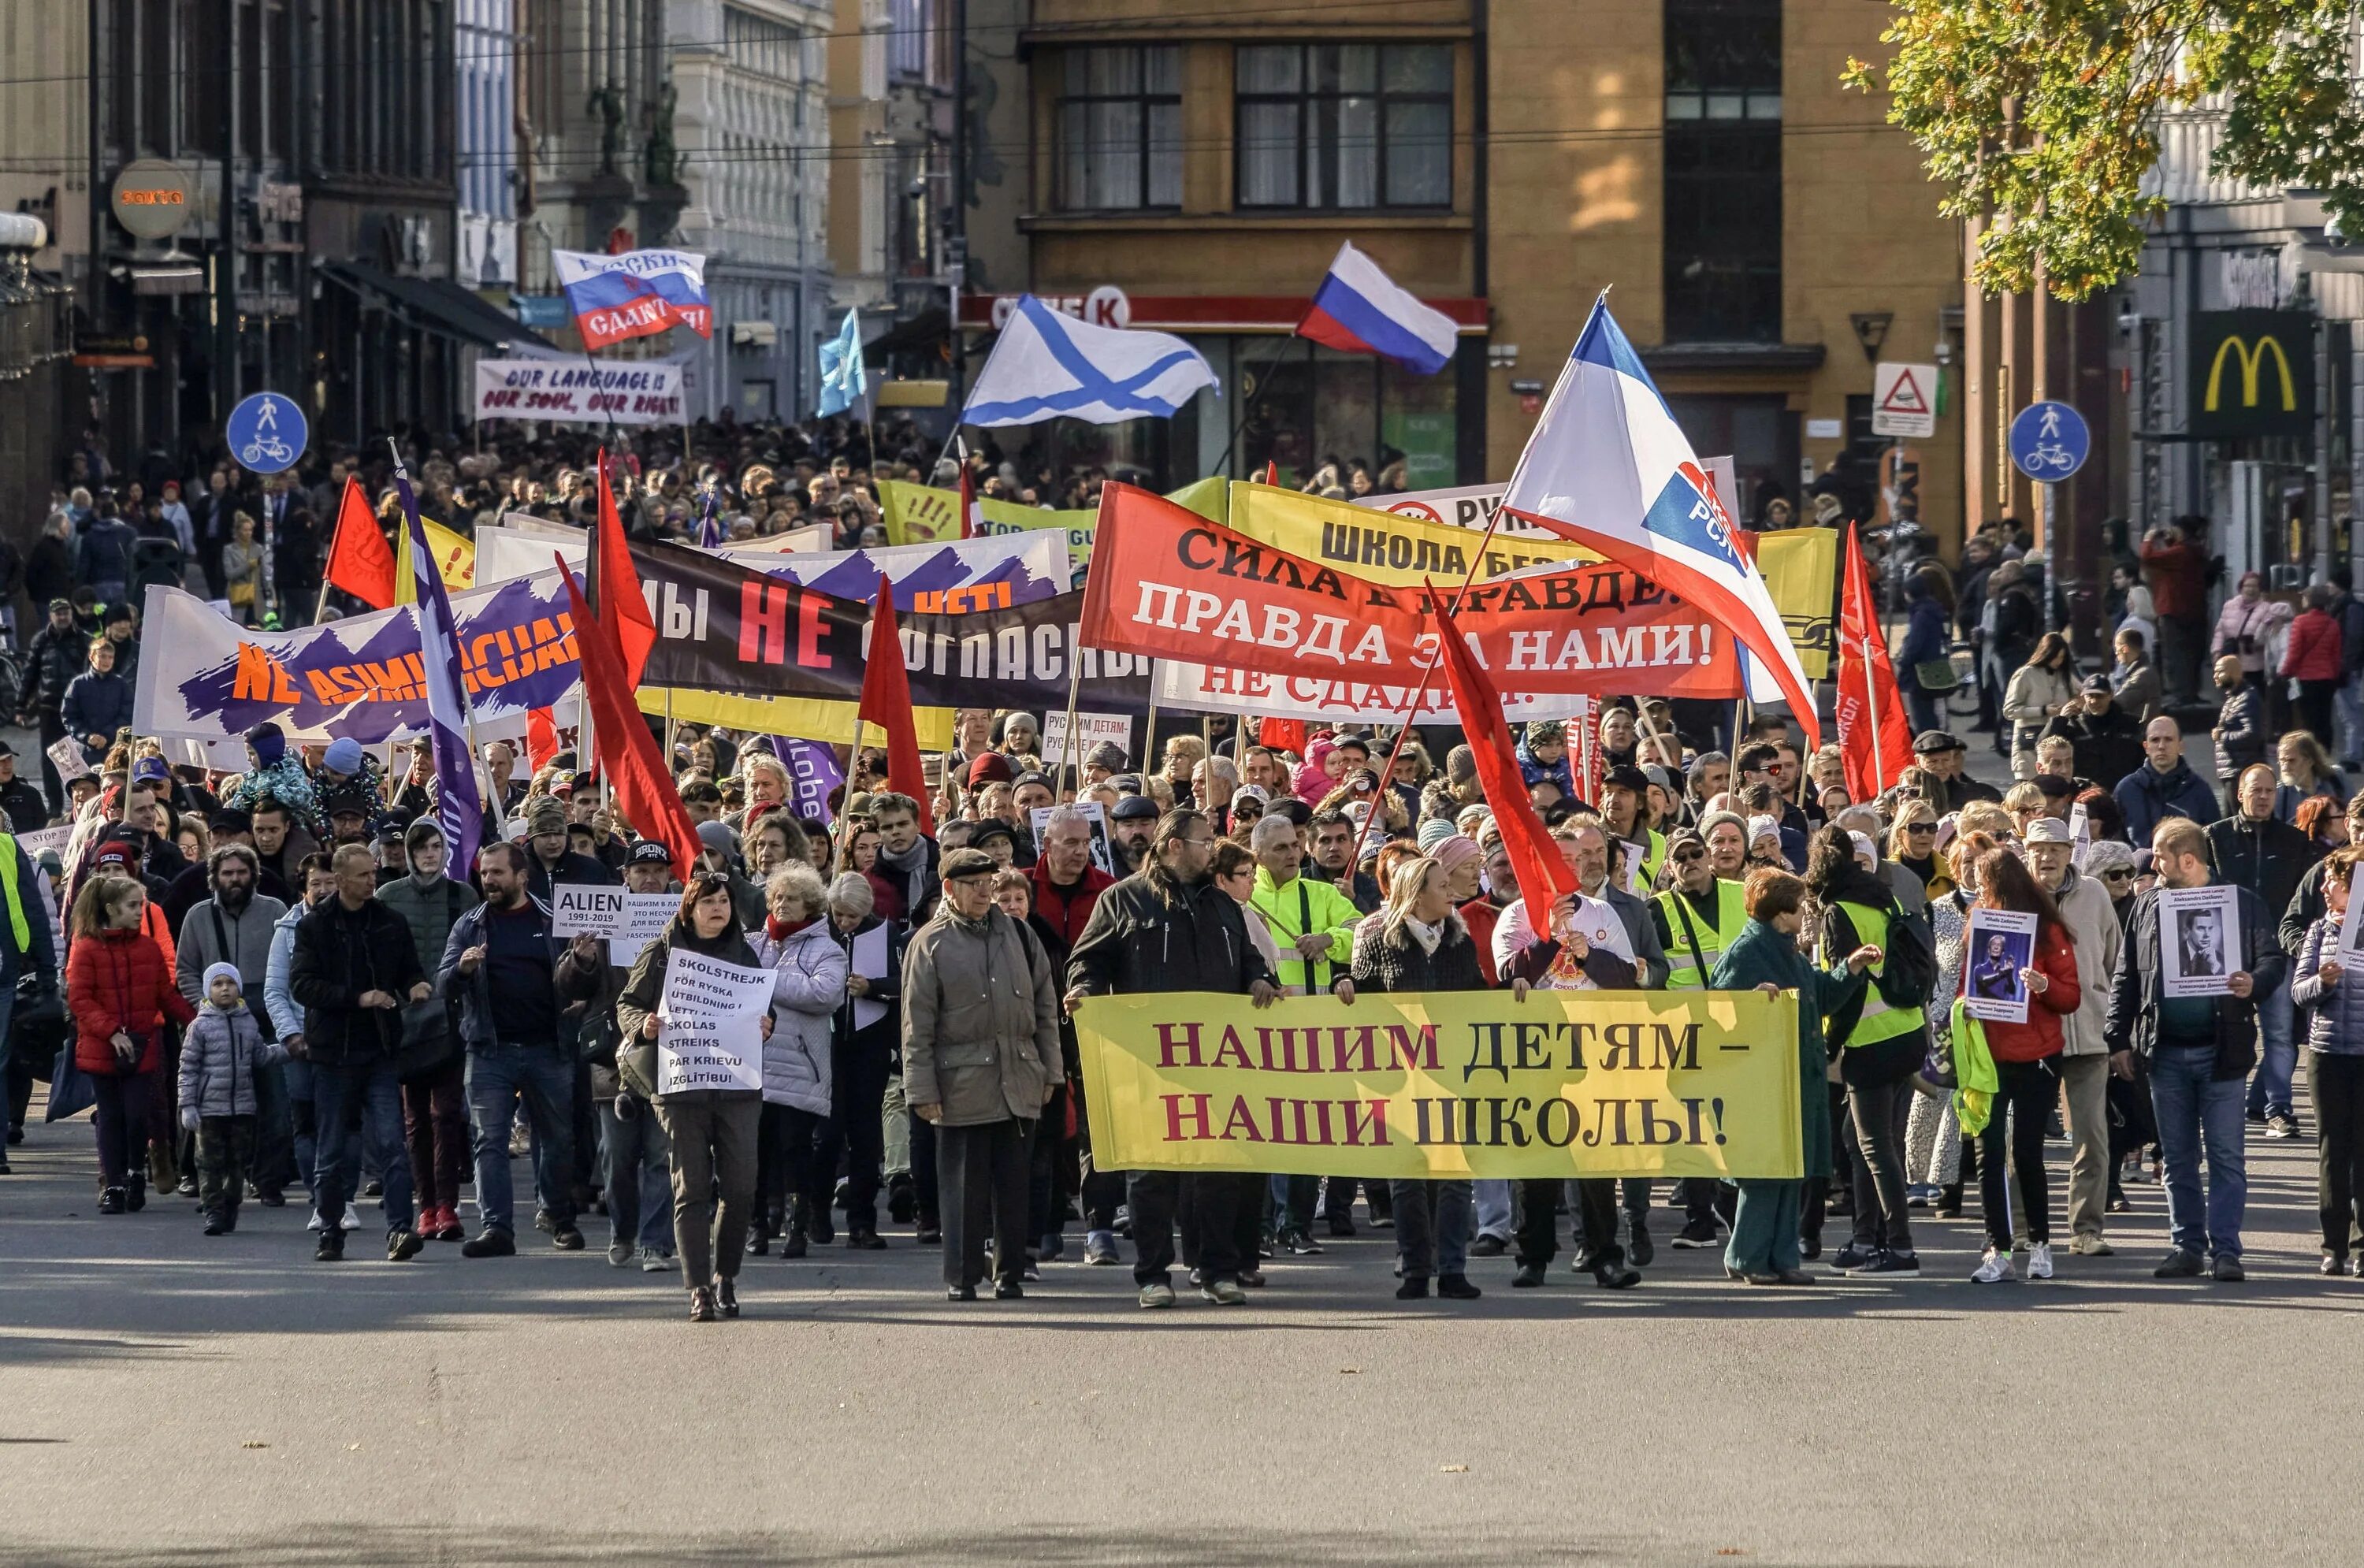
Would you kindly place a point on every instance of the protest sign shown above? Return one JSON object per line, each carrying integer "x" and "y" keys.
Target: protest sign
{"x": 1446, "y": 1084}
{"x": 1094, "y": 728}
{"x": 580, "y": 392}
{"x": 2198, "y": 939}
{"x": 1169, "y": 582}
{"x": 2349, "y": 952}
{"x": 1997, "y": 945}
{"x": 65, "y": 755}
{"x": 712, "y": 1034}
{"x": 1103, "y": 853}
{"x": 2081, "y": 835}
{"x": 628, "y": 921}
{"x": 1223, "y": 688}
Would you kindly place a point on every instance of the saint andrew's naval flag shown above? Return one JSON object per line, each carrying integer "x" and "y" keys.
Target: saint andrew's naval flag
{"x": 634, "y": 294}
{"x": 1360, "y": 310}
{"x": 1608, "y": 468}
{"x": 1049, "y": 366}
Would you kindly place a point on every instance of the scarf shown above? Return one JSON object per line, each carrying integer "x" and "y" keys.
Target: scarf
{"x": 780, "y": 930}
{"x": 911, "y": 865}
{"x": 1425, "y": 935}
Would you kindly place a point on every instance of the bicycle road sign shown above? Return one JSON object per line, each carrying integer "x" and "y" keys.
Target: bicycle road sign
{"x": 2049, "y": 441}
{"x": 266, "y": 433}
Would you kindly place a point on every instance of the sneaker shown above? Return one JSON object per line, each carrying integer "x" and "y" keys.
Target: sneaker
{"x": 1492, "y": 1247}
{"x": 313, "y": 1222}
{"x": 111, "y": 1201}
{"x": 1697, "y": 1235}
{"x": 401, "y": 1246}
{"x": 1009, "y": 1290}
{"x": 1224, "y": 1293}
{"x": 270, "y": 1197}
{"x": 2180, "y": 1264}
{"x": 1993, "y": 1269}
{"x": 567, "y": 1239}
{"x": 865, "y": 1241}
{"x": 331, "y": 1249}
{"x": 1301, "y": 1243}
{"x": 490, "y": 1243}
{"x": 1853, "y": 1256}
{"x": 928, "y": 1235}
{"x": 1457, "y": 1287}
{"x": 620, "y": 1254}
{"x": 1156, "y": 1295}
{"x": 1251, "y": 1278}
{"x": 2334, "y": 1264}
{"x": 2039, "y": 1261}
{"x": 352, "y": 1220}
{"x": 1616, "y": 1276}
{"x": 372, "y": 1188}
{"x": 2088, "y": 1244}
{"x": 1100, "y": 1248}
{"x": 1889, "y": 1263}
{"x": 653, "y": 1261}
{"x": 2227, "y": 1270}
{"x": 701, "y": 1305}
{"x": 1528, "y": 1276}
{"x": 2281, "y": 1127}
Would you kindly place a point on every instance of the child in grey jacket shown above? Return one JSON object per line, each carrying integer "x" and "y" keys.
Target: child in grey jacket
{"x": 218, "y": 1057}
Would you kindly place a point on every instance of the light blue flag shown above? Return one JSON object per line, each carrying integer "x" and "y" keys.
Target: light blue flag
{"x": 843, "y": 382}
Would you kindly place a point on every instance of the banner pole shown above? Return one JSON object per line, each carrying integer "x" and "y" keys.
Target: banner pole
{"x": 1067, "y": 753}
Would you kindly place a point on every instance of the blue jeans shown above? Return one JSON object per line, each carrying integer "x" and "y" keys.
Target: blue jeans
{"x": 304, "y": 1137}
{"x": 545, "y": 1076}
{"x": 376, "y": 1088}
{"x": 2269, "y": 1088}
{"x": 272, "y": 1131}
{"x": 2197, "y": 1110}
{"x": 638, "y": 1180}
{"x": 1490, "y": 1198}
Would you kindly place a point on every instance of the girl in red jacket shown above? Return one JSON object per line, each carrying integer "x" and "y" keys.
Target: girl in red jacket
{"x": 2026, "y": 1058}
{"x": 2314, "y": 659}
{"x": 119, "y": 988}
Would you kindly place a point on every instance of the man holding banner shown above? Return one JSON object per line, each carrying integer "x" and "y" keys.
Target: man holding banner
{"x": 1169, "y": 928}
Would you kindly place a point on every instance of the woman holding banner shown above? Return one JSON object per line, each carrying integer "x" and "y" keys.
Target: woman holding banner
{"x": 1420, "y": 944}
{"x": 713, "y": 1130}
{"x": 1765, "y": 957}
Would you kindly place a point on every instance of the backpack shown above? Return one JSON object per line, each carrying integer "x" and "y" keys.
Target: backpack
{"x": 1908, "y": 977}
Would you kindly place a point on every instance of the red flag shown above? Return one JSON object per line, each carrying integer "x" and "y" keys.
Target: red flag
{"x": 887, "y": 702}
{"x": 1282, "y": 735}
{"x": 359, "y": 561}
{"x": 1271, "y": 471}
{"x": 1542, "y": 871}
{"x": 617, "y": 588}
{"x": 636, "y": 772}
{"x": 540, "y": 737}
{"x": 1875, "y": 737}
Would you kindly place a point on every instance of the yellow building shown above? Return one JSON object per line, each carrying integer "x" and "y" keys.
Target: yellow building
{"x": 1505, "y": 159}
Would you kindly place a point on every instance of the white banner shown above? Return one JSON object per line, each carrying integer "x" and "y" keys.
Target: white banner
{"x": 1030, "y": 566}
{"x": 713, "y": 1013}
{"x": 1221, "y": 689}
{"x": 1095, "y": 727}
{"x": 578, "y": 391}
{"x": 630, "y": 922}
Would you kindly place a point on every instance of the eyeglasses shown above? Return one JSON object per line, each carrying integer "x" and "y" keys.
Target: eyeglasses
{"x": 1920, "y": 827}
{"x": 1683, "y": 857}
{"x": 2117, "y": 876}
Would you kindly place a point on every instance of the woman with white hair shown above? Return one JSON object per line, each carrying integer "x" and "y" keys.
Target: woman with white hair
{"x": 795, "y": 1152}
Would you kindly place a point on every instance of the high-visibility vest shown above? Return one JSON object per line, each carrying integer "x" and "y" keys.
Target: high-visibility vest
{"x": 1691, "y": 957}
{"x": 17, "y": 927}
{"x": 1878, "y": 1021}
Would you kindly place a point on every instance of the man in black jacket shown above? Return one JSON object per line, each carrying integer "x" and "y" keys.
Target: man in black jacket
{"x": 54, "y": 657}
{"x": 551, "y": 861}
{"x": 1169, "y": 928}
{"x": 2256, "y": 850}
{"x": 27, "y": 810}
{"x": 2200, "y": 1049}
{"x": 2104, "y": 740}
{"x": 354, "y": 967}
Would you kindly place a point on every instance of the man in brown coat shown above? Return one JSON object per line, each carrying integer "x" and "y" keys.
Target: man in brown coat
{"x": 980, "y": 1061}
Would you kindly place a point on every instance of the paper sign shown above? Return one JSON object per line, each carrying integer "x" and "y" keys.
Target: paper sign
{"x": 2350, "y": 951}
{"x": 40, "y": 839}
{"x": 1637, "y": 882}
{"x": 1997, "y": 944}
{"x": 630, "y": 922}
{"x": 1095, "y": 727}
{"x": 2080, "y": 836}
{"x": 2198, "y": 930}
{"x": 1103, "y": 853}
{"x": 66, "y": 756}
{"x": 712, "y": 1037}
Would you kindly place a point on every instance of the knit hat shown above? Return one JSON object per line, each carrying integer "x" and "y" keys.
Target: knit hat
{"x": 1451, "y": 850}
{"x": 223, "y": 971}
{"x": 270, "y": 743}
{"x": 1758, "y": 827}
{"x": 547, "y": 816}
{"x": 344, "y": 756}
{"x": 1714, "y": 819}
{"x": 991, "y": 767}
{"x": 716, "y": 836}
{"x": 1433, "y": 833}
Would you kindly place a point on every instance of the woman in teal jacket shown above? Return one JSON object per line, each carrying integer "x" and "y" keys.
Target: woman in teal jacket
{"x": 1765, "y": 957}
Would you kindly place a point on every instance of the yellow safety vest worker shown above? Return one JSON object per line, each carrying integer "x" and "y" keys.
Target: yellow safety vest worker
{"x": 16, "y": 926}
{"x": 1696, "y": 945}
{"x": 1878, "y": 1021}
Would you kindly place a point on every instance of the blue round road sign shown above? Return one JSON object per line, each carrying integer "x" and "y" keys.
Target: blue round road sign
{"x": 2049, "y": 441}
{"x": 266, "y": 433}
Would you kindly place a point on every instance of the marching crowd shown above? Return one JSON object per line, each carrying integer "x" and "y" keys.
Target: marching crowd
{"x": 273, "y": 984}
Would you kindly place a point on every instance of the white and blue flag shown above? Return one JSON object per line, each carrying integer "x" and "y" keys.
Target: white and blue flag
{"x": 445, "y": 685}
{"x": 1049, "y": 366}
{"x": 843, "y": 382}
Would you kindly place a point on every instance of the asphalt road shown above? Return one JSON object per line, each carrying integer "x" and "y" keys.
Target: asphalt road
{"x": 169, "y": 1397}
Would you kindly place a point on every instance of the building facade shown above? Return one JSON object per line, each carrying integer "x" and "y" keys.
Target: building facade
{"x": 1769, "y": 238}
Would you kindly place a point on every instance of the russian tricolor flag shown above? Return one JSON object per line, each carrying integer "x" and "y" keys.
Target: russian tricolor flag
{"x": 1358, "y": 309}
{"x": 634, "y": 294}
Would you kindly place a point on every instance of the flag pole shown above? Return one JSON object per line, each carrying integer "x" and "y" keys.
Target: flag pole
{"x": 1068, "y": 756}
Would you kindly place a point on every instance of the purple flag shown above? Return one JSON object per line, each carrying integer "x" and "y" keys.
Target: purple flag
{"x": 457, "y": 806}
{"x": 812, "y": 773}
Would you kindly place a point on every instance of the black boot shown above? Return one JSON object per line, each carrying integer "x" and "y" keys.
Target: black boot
{"x": 818, "y": 1229}
{"x": 792, "y": 1234}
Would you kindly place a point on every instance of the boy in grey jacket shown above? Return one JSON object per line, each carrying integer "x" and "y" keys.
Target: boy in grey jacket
{"x": 218, "y": 1103}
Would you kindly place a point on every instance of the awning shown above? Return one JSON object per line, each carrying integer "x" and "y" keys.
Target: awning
{"x": 439, "y": 306}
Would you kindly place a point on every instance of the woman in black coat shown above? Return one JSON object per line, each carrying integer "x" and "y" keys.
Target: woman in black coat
{"x": 1420, "y": 944}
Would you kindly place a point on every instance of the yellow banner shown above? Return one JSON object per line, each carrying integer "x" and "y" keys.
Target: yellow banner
{"x": 920, "y": 514}
{"x": 1452, "y": 1084}
{"x": 1800, "y": 565}
{"x": 814, "y": 718}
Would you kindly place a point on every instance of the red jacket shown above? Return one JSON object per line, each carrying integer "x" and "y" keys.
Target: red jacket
{"x": 2176, "y": 588}
{"x": 1065, "y": 910}
{"x": 2314, "y": 648}
{"x": 2040, "y": 1036}
{"x": 121, "y": 980}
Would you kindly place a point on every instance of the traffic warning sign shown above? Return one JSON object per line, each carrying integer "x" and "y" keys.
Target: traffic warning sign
{"x": 1904, "y": 400}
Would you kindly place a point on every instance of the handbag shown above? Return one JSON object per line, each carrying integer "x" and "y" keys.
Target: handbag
{"x": 70, "y": 1090}
{"x": 1937, "y": 675}
{"x": 241, "y": 593}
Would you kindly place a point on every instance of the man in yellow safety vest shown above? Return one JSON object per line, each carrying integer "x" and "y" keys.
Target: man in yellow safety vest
{"x": 1698, "y": 918}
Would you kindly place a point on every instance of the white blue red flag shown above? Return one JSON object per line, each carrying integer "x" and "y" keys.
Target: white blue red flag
{"x": 441, "y": 678}
{"x": 1359, "y": 309}
{"x": 1608, "y": 468}
{"x": 633, "y": 295}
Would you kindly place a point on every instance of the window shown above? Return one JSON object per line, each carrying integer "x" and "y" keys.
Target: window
{"x": 1352, "y": 126}
{"x": 1722, "y": 198}
{"x": 1120, "y": 133}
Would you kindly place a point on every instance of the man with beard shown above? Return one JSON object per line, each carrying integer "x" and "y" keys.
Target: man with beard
{"x": 1132, "y": 821}
{"x": 235, "y": 927}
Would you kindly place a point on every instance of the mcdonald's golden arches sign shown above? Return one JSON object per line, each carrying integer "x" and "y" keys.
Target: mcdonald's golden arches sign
{"x": 2251, "y": 373}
